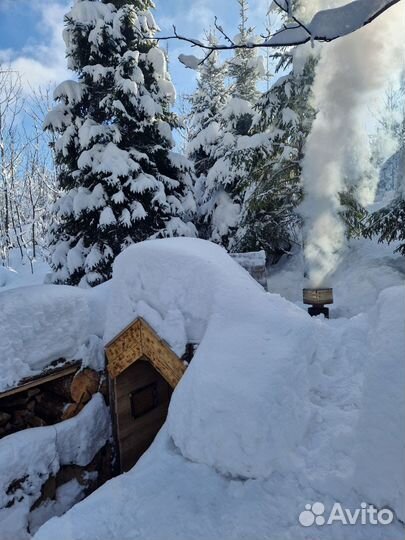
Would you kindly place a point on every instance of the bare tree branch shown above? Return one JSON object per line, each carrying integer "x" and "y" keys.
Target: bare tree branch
{"x": 327, "y": 25}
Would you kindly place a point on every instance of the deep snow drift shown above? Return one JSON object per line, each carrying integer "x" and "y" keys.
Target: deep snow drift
{"x": 191, "y": 290}
{"x": 42, "y": 323}
{"x": 29, "y": 457}
{"x": 275, "y": 411}
{"x": 19, "y": 273}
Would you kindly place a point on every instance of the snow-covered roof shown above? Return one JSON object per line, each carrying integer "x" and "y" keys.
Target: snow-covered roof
{"x": 45, "y": 323}
{"x": 190, "y": 290}
{"x": 276, "y": 410}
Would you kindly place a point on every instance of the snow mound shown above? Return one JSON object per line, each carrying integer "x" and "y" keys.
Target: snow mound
{"x": 381, "y": 437}
{"x": 235, "y": 409}
{"x": 44, "y": 323}
{"x": 20, "y": 273}
{"x": 29, "y": 457}
{"x": 306, "y": 409}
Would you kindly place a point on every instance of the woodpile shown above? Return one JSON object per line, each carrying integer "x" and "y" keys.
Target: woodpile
{"x": 48, "y": 403}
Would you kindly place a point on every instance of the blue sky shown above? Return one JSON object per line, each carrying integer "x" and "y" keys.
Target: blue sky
{"x": 30, "y": 34}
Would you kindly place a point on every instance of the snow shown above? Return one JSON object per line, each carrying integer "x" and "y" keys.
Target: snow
{"x": 254, "y": 258}
{"x": 365, "y": 270}
{"x": 225, "y": 215}
{"x": 67, "y": 496}
{"x": 44, "y": 323}
{"x": 330, "y": 24}
{"x": 75, "y": 258}
{"x": 89, "y": 13}
{"x": 109, "y": 159}
{"x": 91, "y": 131}
{"x": 107, "y": 217}
{"x": 236, "y": 107}
{"x": 276, "y": 409}
{"x": 380, "y": 473}
{"x": 190, "y": 61}
{"x": 35, "y": 454}
{"x": 83, "y": 198}
{"x": 72, "y": 91}
{"x": 156, "y": 57}
{"x": 19, "y": 272}
{"x": 207, "y": 136}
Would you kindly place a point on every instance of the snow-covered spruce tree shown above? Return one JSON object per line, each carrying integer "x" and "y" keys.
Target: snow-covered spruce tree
{"x": 223, "y": 187}
{"x": 388, "y": 223}
{"x": 386, "y": 142}
{"x": 207, "y": 103}
{"x": 120, "y": 181}
{"x": 245, "y": 68}
{"x": 269, "y": 217}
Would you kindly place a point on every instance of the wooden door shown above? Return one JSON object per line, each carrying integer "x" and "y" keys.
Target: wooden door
{"x": 142, "y": 399}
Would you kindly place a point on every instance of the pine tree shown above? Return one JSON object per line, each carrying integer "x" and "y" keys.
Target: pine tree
{"x": 207, "y": 103}
{"x": 386, "y": 143}
{"x": 270, "y": 220}
{"x": 120, "y": 181}
{"x": 388, "y": 223}
{"x": 223, "y": 187}
{"x": 245, "y": 68}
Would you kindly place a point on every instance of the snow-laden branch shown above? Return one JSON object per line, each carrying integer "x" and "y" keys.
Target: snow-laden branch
{"x": 326, "y": 25}
{"x": 330, "y": 24}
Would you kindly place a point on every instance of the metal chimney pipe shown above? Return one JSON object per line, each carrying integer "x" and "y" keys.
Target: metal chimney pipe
{"x": 317, "y": 299}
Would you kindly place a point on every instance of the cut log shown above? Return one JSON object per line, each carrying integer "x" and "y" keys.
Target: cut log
{"x": 84, "y": 385}
{"x": 14, "y": 402}
{"x": 36, "y": 421}
{"x": 6, "y": 430}
{"x": 31, "y": 405}
{"x": 50, "y": 407}
{"x": 72, "y": 410}
{"x": 60, "y": 387}
{"x": 103, "y": 388}
{"x": 4, "y": 418}
{"x": 21, "y": 418}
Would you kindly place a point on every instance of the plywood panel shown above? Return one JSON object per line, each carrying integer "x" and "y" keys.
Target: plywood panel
{"x": 137, "y": 341}
{"x": 125, "y": 349}
{"x": 161, "y": 356}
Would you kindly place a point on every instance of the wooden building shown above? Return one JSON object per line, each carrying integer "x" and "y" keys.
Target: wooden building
{"x": 143, "y": 372}
{"x": 138, "y": 382}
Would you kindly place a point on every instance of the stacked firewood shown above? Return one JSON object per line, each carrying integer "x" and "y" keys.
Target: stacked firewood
{"x": 49, "y": 403}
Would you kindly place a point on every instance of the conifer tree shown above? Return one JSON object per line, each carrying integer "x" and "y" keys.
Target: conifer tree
{"x": 120, "y": 181}
{"x": 388, "y": 223}
{"x": 207, "y": 103}
{"x": 386, "y": 143}
{"x": 270, "y": 220}
{"x": 245, "y": 68}
{"x": 222, "y": 189}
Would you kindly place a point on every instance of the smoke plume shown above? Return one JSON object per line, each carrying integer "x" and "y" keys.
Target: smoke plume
{"x": 351, "y": 71}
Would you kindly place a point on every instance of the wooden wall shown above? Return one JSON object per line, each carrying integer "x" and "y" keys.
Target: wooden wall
{"x": 135, "y": 435}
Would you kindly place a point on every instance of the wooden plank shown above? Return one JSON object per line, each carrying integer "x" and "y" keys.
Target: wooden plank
{"x": 125, "y": 349}
{"x": 62, "y": 372}
{"x": 136, "y": 376}
{"x": 134, "y": 435}
{"x": 135, "y": 443}
{"x": 161, "y": 356}
{"x": 150, "y": 422}
{"x": 113, "y": 408}
{"x": 139, "y": 340}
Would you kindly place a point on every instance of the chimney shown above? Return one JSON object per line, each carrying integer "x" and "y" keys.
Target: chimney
{"x": 318, "y": 299}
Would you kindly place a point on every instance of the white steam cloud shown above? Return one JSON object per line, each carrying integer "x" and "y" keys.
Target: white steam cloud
{"x": 350, "y": 72}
